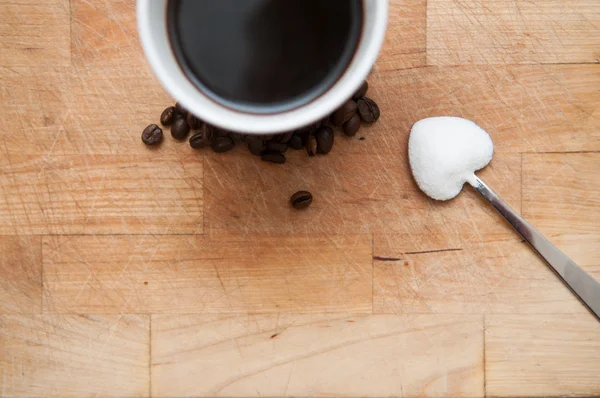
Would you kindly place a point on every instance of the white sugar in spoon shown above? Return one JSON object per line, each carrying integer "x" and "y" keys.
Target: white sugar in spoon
{"x": 444, "y": 154}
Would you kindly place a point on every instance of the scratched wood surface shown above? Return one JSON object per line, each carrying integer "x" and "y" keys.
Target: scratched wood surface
{"x": 129, "y": 272}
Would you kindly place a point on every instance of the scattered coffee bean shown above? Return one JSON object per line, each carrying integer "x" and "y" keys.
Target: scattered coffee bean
{"x": 368, "y": 110}
{"x": 352, "y": 126}
{"x": 237, "y": 138}
{"x": 167, "y": 116}
{"x": 274, "y": 157}
{"x": 296, "y": 142}
{"x": 325, "y": 139}
{"x": 301, "y": 200}
{"x": 216, "y": 132}
{"x": 276, "y": 147}
{"x": 198, "y": 141}
{"x": 362, "y": 91}
{"x": 284, "y": 138}
{"x": 180, "y": 110}
{"x": 311, "y": 145}
{"x": 362, "y": 139}
{"x": 180, "y": 129}
{"x": 223, "y": 144}
{"x": 257, "y": 147}
{"x": 193, "y": 121}
{"x": 317, "y": 138}
{"x": 152, "y": 135}
{"x": 344, "y": 114}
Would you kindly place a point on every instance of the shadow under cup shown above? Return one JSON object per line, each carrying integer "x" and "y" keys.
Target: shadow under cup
{"x": 264, "y": 56}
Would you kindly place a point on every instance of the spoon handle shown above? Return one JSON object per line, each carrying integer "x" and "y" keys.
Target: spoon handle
{"x": 579, "y": 281}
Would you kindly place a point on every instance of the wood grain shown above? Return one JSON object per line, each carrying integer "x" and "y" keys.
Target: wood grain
{"x": 498, "y": 277}
{"x": 100, "y": 194}
{"x": 74, "y": 356}
{"x": 541, "y": 355}
{"x": 187, "y": 274}
{"x": 525, "y": 108}
{"x": 318, "y": 355}
{"x": 105, "y": 33}
{"x": 21, "y": 275}
{"x": 502, "y": 32}
{"x": 35, "y": 33}
{"x": 561, "y": 193}
{"x": 353, "y": 193}
{"x": 406, "y": 39}
{"x": 34, "y": 105}
{"x": 247, "y": 297}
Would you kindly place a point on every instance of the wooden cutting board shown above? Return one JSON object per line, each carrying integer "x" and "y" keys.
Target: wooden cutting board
{"x": 128, "y": 272}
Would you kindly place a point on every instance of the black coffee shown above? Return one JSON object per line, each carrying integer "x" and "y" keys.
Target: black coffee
{"x": 264, "y": 55}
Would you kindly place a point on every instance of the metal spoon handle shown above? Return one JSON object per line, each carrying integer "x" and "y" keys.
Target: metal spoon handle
{"x": 579, "y": 281}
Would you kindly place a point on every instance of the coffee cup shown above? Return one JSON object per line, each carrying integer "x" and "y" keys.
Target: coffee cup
{"x": 229, "y": 94}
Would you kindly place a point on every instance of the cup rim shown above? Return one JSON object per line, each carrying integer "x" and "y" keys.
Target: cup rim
{"x": 155, "y": 42}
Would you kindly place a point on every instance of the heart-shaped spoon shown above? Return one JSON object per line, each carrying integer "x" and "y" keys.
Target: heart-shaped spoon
{"x": 444, "y": 154}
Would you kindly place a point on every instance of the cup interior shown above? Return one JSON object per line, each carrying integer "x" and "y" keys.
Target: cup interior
{"x": 153, "y": 30}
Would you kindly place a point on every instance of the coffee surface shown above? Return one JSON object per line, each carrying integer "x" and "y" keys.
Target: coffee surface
{"x": 267, "y": 55}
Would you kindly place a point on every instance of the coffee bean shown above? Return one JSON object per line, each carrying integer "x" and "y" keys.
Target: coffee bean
{"x": 180, "y": 129}
{"x": 257, "y": 148}
{"x": 301, "y": 200}
{"x": 352, "y": 126}
{"x": 193, "y": 121}
{"x": 274, "y": 157}
{"x": 305, "y": 130}
{"x": 362, "y": 91}
{"x": 311, "y": 145}
{"x": 296, "y": 142}
{"x": 368, "y": 110}
{"x": 325, "y": 140}
{"x": 152, "y": 135}
{"x": 180, "y": 110}
{"x": 273, "y": 146}
{"x": 216, "y": 132}
{"x": 284, "y": 138}
{"x": 344, "y": 114}
{"x": 167, "y": 116}
{"x": 237, "y": 137}
{"x": 198, "y": 141}
{"x": 223, "y": 144}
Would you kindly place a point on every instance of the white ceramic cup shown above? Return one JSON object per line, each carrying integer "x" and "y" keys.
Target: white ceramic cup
{"x": 152, "y": 26}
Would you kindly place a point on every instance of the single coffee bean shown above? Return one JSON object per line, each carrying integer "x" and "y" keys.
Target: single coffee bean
{"x": 301, "y": 200}
{"x": 216, "y": 132}
{"x": 180, "y": 110}
{"x": 352, "y": 126}
{"x": 180, "y": 128}
{"x": 362, "y": 91}
{"x": 152, "y": 135}
{"x": 237, "y": 137}
{"x": 325, "y": 139}
{"x": 167, "y": 116}
{"x": 305, "y": 130}
{"x": 193, "y": 121}
{"x": 284, "y": 138}
{"x": 296, "y": 142}
{"x": 273, "y": 146}
{"x": 257, "y": 148}
{"x": 368, "y": 110}
{"x": 198, "y": 141}
{"x": 344, "y": 114}
{"x": 223, "y": 144}
{"x": 311, "y": 145}
{"x": 274, "y": 157}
